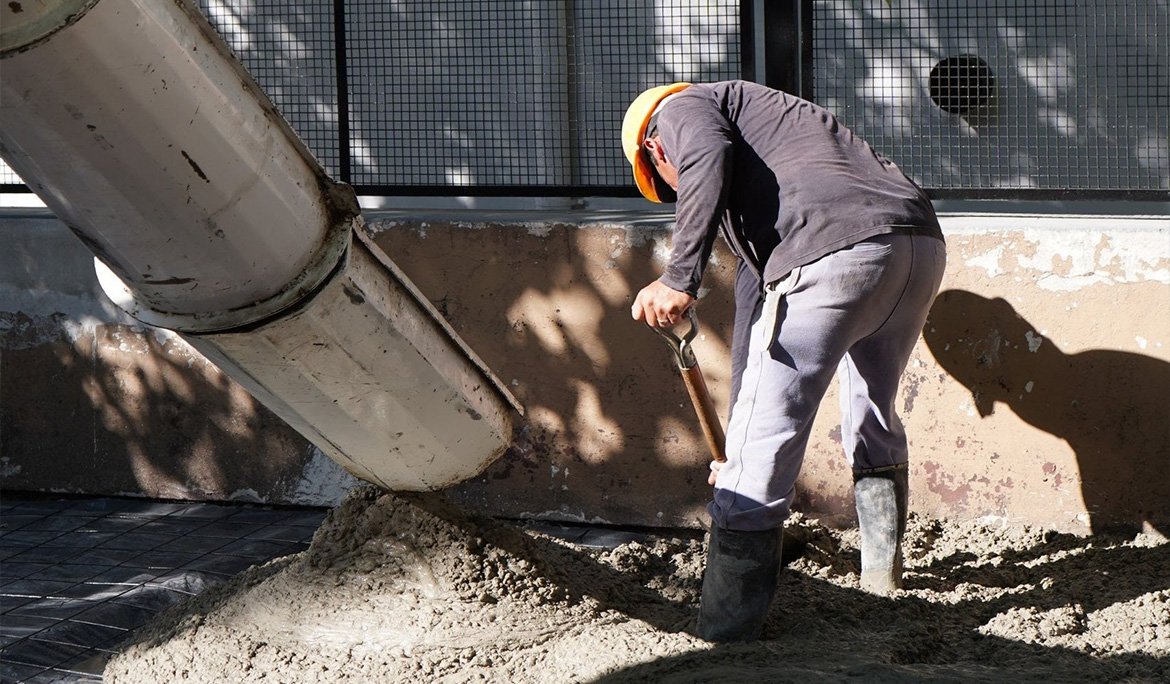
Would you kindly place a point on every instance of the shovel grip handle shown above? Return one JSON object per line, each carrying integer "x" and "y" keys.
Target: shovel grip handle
{"x": 705, "y": 408}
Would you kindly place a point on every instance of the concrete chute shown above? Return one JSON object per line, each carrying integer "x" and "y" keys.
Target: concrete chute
{"x": 208, "y": 216}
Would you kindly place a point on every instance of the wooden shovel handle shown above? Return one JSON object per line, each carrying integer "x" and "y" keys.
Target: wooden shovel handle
{"x": 705, "y": 408}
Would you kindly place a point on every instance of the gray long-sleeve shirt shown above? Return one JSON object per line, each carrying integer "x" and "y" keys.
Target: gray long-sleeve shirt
{"x": 784, "y": 181}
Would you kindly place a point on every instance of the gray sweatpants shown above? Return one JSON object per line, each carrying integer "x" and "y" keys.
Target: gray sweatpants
{"x": 856, "y": 312}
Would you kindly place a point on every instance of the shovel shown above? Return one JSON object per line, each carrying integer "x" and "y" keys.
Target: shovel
{"x": 692, "y": 375}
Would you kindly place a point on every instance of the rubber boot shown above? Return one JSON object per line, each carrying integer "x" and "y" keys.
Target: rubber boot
{"x": 738, "y": 583}
{"x": 881, "y": 498}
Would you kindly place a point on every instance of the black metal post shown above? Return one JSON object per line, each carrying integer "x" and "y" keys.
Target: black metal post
{"x": 342, "y": 76}
{"x": 784, "y": 27}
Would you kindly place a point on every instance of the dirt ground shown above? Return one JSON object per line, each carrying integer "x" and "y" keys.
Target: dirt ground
{"x": 406, "y": 590}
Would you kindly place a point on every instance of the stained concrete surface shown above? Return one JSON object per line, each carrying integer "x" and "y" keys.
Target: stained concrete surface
{"x": 79, "y": 575}
{"x": 1037, "y": 395}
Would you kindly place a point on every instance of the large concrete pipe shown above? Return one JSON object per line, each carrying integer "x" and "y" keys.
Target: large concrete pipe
{"x": 208, "y": 216}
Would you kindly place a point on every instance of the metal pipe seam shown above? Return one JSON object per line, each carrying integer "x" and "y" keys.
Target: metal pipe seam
{"x": 327, "y": 262}
{"x": 210, "y": 217}
{"x": 25, "y": 25}
{"x": 374, "y": 377}
{"x": 143, "y": 133}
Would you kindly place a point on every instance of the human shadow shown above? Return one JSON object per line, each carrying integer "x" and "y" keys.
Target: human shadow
{"x": 1110, "y": 406}
{"x": 820, "y": 630}
{"x": 1057, "y": 570}
{"x": 1107, "y": 571}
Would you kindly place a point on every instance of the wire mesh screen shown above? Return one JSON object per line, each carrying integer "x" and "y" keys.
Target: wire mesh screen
{"x": 289, "y": 49}
{"x": 991, "y": 94}
{"x": 622, "y": 48}
{"x": 464, "y": 95}
{"x": 8, "y": 176}
{"x": 491, "y": 93}
{"x": 457, "y": 93}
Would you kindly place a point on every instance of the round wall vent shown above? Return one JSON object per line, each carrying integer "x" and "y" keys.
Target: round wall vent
{"x": 962, "y": 84}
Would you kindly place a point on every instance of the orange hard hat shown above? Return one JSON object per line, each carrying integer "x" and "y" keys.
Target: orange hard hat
{"x": 634, "y": 130}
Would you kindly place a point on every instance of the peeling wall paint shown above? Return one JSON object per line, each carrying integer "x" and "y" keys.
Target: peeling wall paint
{"x": 1058, "y": 413}
{"x": 1065, "y": 259}
{"x": 1046, "y": 321}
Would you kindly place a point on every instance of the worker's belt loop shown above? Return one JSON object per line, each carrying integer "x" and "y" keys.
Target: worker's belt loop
{"x": 774, "y": 293}
{"x": 924, "y": 231}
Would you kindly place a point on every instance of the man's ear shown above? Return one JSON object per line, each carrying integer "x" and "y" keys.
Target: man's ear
{"x": 654, "y": 149}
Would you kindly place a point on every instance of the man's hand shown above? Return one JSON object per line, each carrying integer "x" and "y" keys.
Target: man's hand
{"x": 660, "y": 306}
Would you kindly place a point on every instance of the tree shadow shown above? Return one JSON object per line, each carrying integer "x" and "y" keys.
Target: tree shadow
{"x": 111, "y": 408}
{"x": 1110, "y": 406}
{"x": 453, "y": 87}
{"x": 1043, "y": 122}
{"x": 289, "y": 49}
{"x": 610, "y": 435}
{"x": 186, "y": 430}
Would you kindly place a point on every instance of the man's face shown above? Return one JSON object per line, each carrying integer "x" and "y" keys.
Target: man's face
{"x": 662, "y": 166}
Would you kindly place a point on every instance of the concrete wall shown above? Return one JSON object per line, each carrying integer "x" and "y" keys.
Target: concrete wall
{"x": 1041, "y": 391}
{"x": 90, "y": 402}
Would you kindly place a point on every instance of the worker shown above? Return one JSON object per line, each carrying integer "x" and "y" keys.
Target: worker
{"x": 839, "y": 258}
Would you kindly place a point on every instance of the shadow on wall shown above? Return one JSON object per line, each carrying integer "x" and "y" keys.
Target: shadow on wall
{"x": 610, "y": 434}
{"x": 123, "y": 411}
{"x": 1043, "y": 124}
{"x": 1110, "y": 406}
